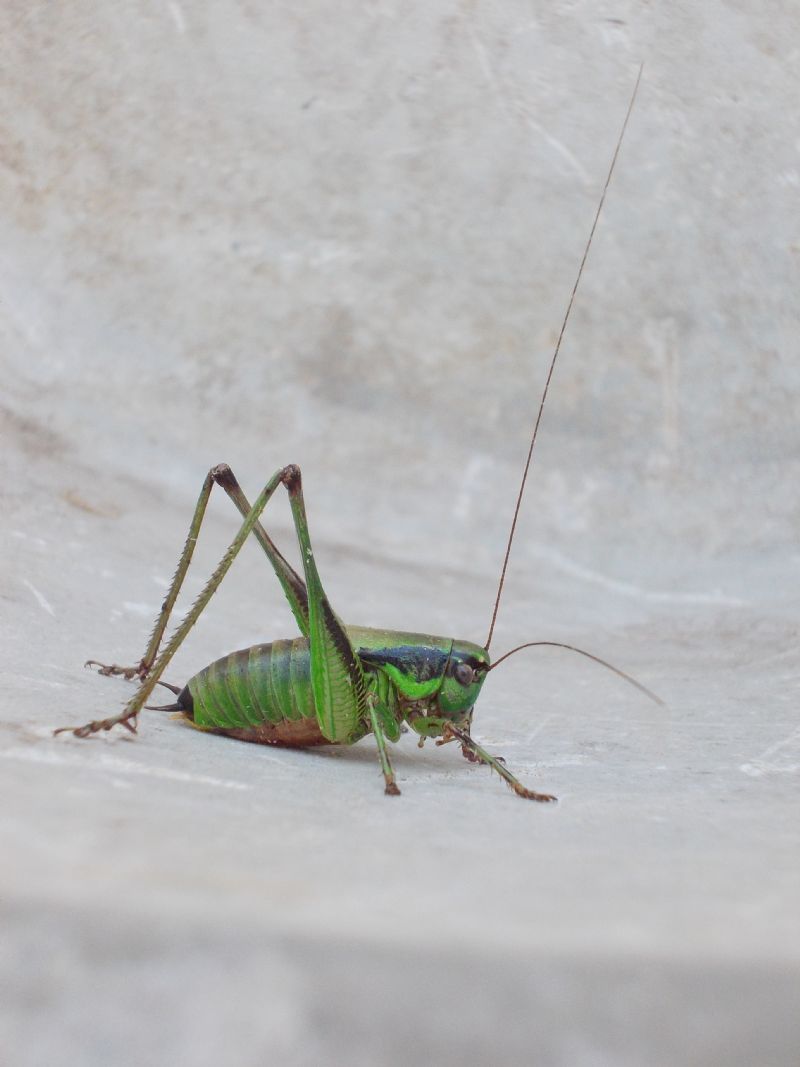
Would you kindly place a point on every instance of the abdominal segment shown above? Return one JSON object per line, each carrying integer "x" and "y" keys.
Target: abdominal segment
{"x": 261, "y": 694}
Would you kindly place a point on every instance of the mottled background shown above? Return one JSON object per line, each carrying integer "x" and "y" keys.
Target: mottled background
{"x": 344, "y": 236}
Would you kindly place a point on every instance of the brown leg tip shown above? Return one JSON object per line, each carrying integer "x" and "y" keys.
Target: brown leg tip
{"x": 110, "y": 670}
{"x": 391, "y": 790}
{"x": 102, "y": 668}
{"x": 542, "y": 798}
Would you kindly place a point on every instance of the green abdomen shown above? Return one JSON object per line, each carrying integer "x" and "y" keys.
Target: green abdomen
{"x": 266, "y": 685}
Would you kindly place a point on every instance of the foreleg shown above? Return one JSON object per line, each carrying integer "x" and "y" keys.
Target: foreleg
{"x": 475, "y": 753}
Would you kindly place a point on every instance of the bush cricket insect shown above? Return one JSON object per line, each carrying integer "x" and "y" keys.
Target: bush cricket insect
{"x": 335, "y": 683}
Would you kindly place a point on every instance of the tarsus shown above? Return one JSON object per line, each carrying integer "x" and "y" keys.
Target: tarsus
{"x": 555, "y": 357}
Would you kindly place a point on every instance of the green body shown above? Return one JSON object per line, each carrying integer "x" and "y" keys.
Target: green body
{"x": 405, "y": 675}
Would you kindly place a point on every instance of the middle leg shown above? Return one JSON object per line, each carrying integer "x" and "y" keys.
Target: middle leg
{"x": 391, "y": 789}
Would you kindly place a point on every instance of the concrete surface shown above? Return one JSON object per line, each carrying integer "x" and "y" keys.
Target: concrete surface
{"x": 345, "y": 237}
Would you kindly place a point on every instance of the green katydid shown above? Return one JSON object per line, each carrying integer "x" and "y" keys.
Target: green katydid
{"x": 335, "y": 683}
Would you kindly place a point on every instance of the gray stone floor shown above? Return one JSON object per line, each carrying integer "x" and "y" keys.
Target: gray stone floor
{"x": 187, "y": 899}
{"x": 261, "y": 234}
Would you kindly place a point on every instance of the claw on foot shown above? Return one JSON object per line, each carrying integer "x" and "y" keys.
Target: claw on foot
{"x": 529, "y": 794}
{"x": 391, "y": 790}
{"x": 110, "y": 669}
{"x": 129, "y": 722}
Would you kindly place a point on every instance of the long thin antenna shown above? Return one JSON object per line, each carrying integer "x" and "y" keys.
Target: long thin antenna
{"x": 589, "y": 655}
{"x": 555, "y": 357}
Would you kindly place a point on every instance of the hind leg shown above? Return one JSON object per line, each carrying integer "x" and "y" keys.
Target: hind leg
{"x": 128, "y": 716}
{"x": 293, "y": 585}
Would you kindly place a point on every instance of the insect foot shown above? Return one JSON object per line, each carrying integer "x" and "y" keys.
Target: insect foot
{"x": 392, "y": 789}
{"x": 110, "y": 669}
{"x": 126, "y": 720}
{"x": 529, "y": 794}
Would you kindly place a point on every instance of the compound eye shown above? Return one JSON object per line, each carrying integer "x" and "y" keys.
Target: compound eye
{"x": 464, "y": 674}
